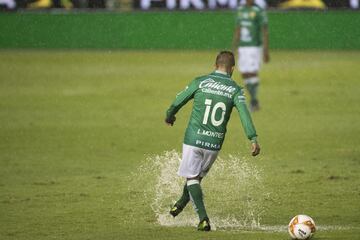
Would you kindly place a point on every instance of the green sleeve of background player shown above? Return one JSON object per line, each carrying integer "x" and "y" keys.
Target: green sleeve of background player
{"x": 182, "y": 98}
{"x": 240, "y": 104}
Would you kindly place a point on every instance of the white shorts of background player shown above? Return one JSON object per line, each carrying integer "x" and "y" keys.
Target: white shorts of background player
{"x": 250, "y": 59}
{"x": 196, "y": 161}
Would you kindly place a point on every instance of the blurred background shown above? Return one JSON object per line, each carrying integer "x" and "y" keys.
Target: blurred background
{"x": 126, "y": 5}
{"x": 173, "y": 24}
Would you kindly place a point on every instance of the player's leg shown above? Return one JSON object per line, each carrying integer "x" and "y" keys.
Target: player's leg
{"x": 249, "y": 65}
{"x": 190, "y": 166}
{"x": 181, "y": 203}
{"x": 194, "y": 165}
{"x": 251, "y": 81}
{"x": 207, "y": 159}
{"x": 196, "y": 196}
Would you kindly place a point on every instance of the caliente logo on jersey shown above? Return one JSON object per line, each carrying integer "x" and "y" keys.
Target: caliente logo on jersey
{"x": 211, "y": 83}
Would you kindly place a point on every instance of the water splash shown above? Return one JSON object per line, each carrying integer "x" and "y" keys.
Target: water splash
{"x": 233, "y": 191}
{"x": 234, "y": 194}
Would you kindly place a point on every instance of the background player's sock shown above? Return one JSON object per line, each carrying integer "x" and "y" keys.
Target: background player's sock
{"x": 196, "y": 196}
{"x": 252, "y": 85}
{"x": 184, "y": 199}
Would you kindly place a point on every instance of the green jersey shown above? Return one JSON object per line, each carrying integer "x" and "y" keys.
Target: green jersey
{"x": 251, "y": 20}
{"x": 214, "y": 96}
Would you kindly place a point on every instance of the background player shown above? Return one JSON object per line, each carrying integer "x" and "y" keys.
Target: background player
{"x": 214, "y": 97}
{"x": 251, "y": 33}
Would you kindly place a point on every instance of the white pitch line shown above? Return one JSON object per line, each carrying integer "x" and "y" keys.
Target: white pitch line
{"x": 264, "y": 228}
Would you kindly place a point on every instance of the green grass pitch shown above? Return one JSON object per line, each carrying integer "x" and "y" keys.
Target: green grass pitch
{"x": 77, "y": 130}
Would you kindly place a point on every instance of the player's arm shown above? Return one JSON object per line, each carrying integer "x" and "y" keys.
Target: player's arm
{"x": 265, "y": 35}
{"x": 181, "y": 99}
{"x": 237, "y": 35}
{"x": 236, "y": 38}
{"x": 246, "y": 121}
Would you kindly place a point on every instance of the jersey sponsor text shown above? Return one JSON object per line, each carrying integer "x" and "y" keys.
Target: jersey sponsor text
{"x": 208, "y": 145}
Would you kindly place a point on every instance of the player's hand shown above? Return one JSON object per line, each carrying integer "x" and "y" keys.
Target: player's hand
{"x": 255, "y": 149}
{"x": 170, "y": 120}
{"x": 266, "y": 58}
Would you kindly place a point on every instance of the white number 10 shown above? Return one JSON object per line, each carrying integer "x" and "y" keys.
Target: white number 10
{"x": 213, "y": 112}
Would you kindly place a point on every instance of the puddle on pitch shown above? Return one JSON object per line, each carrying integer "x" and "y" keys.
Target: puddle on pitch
{"x": 233, "y": 192}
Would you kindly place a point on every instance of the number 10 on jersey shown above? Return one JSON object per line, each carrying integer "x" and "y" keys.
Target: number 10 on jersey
{"x": 209, "y": 108}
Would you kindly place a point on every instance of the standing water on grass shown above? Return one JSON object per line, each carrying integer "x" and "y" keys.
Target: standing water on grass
{"x": 233, "y": 192}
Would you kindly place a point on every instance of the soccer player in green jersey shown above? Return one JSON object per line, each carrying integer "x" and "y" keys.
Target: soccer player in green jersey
{"x": 251, "y": 39}
{"x": 214, "y": 96}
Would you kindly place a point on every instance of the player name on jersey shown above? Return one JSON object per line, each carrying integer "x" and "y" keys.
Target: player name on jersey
{"x": 210, "y": 133}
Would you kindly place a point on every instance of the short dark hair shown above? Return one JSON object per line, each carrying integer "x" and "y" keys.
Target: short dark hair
{"x": 226, "y": 59}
